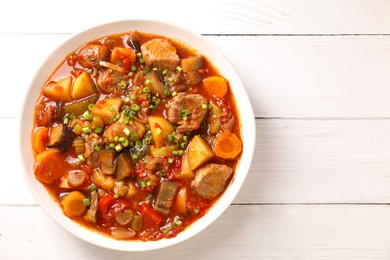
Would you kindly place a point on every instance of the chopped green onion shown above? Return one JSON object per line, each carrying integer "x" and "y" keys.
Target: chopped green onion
{"x": 122, "y": 84}
{"x": 185, "y": 118}
{"x": 178, "y": 68}
{"x": 170, "y": 79}
{"x": 133, "y": 96}
{"x": 145, "y": 71}
{"x": 133, "y": 68}
{"x": 111, "y": 146}
{"x": 166, "y": 92}
{"x": 205, "y": 106}
{"x": 139, "y": 54}
{"x": 138, "y": 144}
{"x": 98, "y": 130}
{"x": 147, "y": 82}
{"x": 130, "y": 74}
{"x": 155, "y": 68}
{"x": 92, "y": 187}
{"x": 125, "y": 142}
{"x": 90, "y": 106}
{"x": 157, "y": 131}
{"x": 133, "y": 136}
{"x": 116, "y": 138}
{"x": 141, "y": 60}
{"x": 170, "y": 160}
{"x": 148, "y": 139}
{"x": 181, "y": 152}
{"x": 81, "y": 158}
{"x": 174, "y": 94}
{"x": 72, "y": 116}
{"x": 165, "y": 72}
{"x": 86, "y": 202}
{"x": 120, "y": 139}
{"x": 117, "y": 116}
{"x": 134, "y": 107}
{"x": 175, "y": 153}
{"x": 66, "y": 120}
{"x": 86, "y": 130}
{"x": 116, "y": 195}
{"x": 87, "y": 115}
{"x": 134, "y": 156}
{"x": 179, "y": 222}
{"x": 196, "y": 211}
{"x": 185, "y": 138}
{"x": 185, "y": 112}
{"x": 149, "y": 183}
{"x": 118, "y": 147}
{"x": 169, "y": 138}
{"x": 97, "y": 148}
{"x": 143, "y": 184}
{"x": 183, "y": 145}
{"x": 146, "y": 89}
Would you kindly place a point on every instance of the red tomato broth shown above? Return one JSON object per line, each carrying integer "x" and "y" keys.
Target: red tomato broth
{"x": 49, "y": 112}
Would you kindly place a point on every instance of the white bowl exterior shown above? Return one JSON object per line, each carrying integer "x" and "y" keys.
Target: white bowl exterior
{"x": 192, "y": 39}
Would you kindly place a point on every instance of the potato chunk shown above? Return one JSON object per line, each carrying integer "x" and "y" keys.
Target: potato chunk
{"x": 199, "y": 152}
{"x": 160, "y": 129}
{"x": 107, "y": 109}
{"x": 83, "y": 86}
{"x": 59, "y": 90}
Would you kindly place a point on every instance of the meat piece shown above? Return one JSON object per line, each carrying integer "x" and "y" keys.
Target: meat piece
{"x": 91, "y": 54}
{"x": 91, "y": 140}
{"x": 210, "y": 180}
{"x": 187, "y": 110}
{"x": 108, "y": 80}
{"x": 160, "y": 53}
{"x": 192, "y": 63}
{"x": 136, "y": 130}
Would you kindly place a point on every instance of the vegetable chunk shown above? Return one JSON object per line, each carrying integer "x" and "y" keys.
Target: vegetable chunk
{"x": 83, "y": 86}
{"x": 199, "y": 152}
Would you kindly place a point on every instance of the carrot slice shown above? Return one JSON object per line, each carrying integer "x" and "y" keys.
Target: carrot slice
{"x": 73, "y": 204}
{"x": 227, "y": 145}
{"x": 47, "y": 167}
{"x": 215, "y": 86}
{"x": 39, "y": 140}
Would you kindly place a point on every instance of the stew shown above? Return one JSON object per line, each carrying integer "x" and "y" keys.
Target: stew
{"x": 136, "y": 135}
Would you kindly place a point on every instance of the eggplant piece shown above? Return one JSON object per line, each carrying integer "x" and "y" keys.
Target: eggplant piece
{"x": 124, "y": 166}
{"x": 61, "y": 137}
{"x": 124, "y": 218}
{"x": 192, "y": 63}
{"x": 134, "y": 45}
{"x": 91, "y": 213}
{"x": 107, "y": 161}
{"x": 80, "y": 107}
{"x": 165, "y": 196}
{"x": 214, "y": 119}
{"x": 155, "y": 84}
{"x": 140, "y": 152}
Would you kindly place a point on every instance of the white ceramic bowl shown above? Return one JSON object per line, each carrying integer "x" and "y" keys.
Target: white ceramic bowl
{"x": 196, "y": 41}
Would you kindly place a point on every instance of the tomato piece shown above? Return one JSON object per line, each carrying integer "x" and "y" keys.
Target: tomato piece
{"x": 149, "y": 215}
{"x": 109, "y": 207}
{"x": 105, "y": 203}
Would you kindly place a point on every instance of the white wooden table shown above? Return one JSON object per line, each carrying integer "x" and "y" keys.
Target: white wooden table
{"x": 318, "y": 75}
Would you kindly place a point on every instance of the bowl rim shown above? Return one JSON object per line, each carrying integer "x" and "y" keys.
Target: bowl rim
{"x": 247, "y": 120}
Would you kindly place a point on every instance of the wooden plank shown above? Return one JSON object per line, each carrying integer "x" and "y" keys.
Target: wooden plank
{"x": 223, "y": 16}
{"x": 295, "y": 76}
{"x": 295, "y": 161}
{"x": 242, "y": 232}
